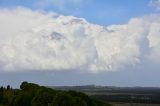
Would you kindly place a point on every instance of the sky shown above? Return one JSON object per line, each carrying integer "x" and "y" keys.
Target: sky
{"x": 80, "y": 42}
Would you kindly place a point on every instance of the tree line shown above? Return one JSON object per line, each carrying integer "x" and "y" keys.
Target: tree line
{"x": 31, "y": 94}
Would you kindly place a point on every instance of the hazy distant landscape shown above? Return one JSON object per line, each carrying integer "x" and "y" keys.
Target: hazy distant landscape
{"x": 120, "y": 96}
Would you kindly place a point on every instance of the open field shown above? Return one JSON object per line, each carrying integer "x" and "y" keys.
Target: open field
{"x": 133, "y": 104}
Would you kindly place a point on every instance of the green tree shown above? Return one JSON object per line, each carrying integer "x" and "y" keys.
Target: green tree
{"x": 1, "y": 95}
{"x": 83, "y": 97}
{"x": 79, "y": 102}
{"x": 8, "y": 87}
{"x": 22, "y": 99}
{"x": 31, "y": 94}
{"x": 62, "y": 99}
{"x": 42, "y": 98}
{"x": 29, "y": 86}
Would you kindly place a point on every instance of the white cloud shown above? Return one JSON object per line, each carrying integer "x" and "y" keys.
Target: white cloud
{"x": 155, "y": 3}
{"x": 154, "y": 40}
{"x": 30, "y": 40}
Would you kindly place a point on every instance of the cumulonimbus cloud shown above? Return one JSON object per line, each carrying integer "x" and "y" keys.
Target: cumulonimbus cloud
{"x": 31, "y": 40}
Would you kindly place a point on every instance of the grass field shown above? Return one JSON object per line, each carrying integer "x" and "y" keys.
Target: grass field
{"x": 133, "y": 104}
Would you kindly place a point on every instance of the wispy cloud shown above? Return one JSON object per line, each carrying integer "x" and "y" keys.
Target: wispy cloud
{"x": 155, "y": 3}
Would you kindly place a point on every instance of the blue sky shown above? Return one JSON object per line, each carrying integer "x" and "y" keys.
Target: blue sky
{"x": 142, "y": 45}
{"x": 103, "y": 12}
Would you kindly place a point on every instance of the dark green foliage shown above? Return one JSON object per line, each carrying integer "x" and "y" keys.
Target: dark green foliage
{"x": 8, "y": 87}
{"x": 22, "y": 99}
{"x": 1, "y": 95}
{"x": 87, "y": 101}
{"x": 29, "y": 86}
{"x": 43, "y": 97}
{"x": 79, "y": 101}
{"x": 34, "y": 95}
{"x": 62, "y": 99}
